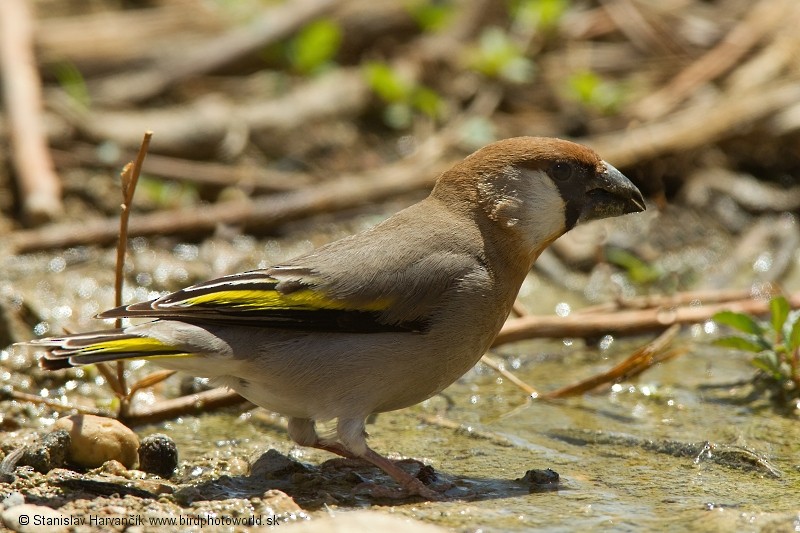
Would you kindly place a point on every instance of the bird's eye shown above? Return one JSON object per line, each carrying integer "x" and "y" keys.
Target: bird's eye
{"x": 561, "y": 171}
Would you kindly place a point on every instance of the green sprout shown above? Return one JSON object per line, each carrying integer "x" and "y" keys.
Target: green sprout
{"x": 432, "y": 16}
{"x": 639, "y": 271}
{"x": 776, "y": 343}
{"x": 541, "y": 14}
{"x": 315, "y": 46}
{"x": 402, "y": 97}
{"x": 496, "y": 55}
{"x": 591, "y": 91}
{"x": 73, "y": 83}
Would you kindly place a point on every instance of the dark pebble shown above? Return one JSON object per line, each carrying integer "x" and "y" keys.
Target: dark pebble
{"x": 541, "y": 480}
{"x": 158, "y": 454}
{"x": 50, "y": 453}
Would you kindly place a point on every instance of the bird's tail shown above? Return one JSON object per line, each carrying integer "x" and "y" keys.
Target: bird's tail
{"x": 98, "y": 347}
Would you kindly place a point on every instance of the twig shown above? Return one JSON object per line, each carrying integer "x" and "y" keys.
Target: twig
{"x": 205, "y": 173}
{"x": 149, "y": 380}
{"x": 761, "y": 19}
{"x": 683, "y": 131}
{"x": 623, "y": 322}
{"x": 201, "y": 402}
{"x": 55, "y": 404}
{"x": 497, "y": 367}
{"x": 273, "y": 25}
{"x": 129, "y": 178}
{"x": 636, "y": 363}
{"x": 417, "y": 172}
{"x": 195, "y": 128}
{"x": 698, "y": 297}
{"x": 39, "y": 185}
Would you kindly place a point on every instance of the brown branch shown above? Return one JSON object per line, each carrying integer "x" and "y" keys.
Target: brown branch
{"x": 417, "y": 172}
{"x": 639, "y": 361}
{"x": 55, "y": 404}
{"x": 624, "y": 322}
{"x": 205, "y": 173}
{"x": 695, "y": 126}
{"x": 702, "y": 296}
{"x": 201, "y": 126}
{"x": 500, "y": 369}
{"x": 274, "y": 24}
{"x": 199, "y": 403}
{"x": 40, "y": 187}
{"x": 760, "y": 21}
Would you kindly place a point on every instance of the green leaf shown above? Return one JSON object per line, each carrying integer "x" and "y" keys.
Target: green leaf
{"x": 432, "y": 16}
{"x": 428, "y": 101}
{"x": 73, "y": 83}
{"x": 498, "y": 56}
{"x": 739, "y": 321}
{"x": 769, "y": 363}
{"x": 541, "y": 14}
{"x": 639, "y": 271}
{"x": 316, "y": 45}
{"x": 794, "y": 336}
{"x": 592, "y": 91}
{"x": 779, "y": 308}
{"x": 387, "y": 83}
{"x": 739, "y": 343}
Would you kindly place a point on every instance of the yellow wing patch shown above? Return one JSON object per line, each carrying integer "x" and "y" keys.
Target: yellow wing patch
{"x": 136, "y": 344}
{"x": 305, "y": 299}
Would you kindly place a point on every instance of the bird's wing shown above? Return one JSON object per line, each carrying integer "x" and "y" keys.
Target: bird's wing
{"x": 281, "y": 297}
{"x": 392, "y": 277}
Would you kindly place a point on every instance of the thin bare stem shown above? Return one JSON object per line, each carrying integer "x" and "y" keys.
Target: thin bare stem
{"x": 130, "y": 177}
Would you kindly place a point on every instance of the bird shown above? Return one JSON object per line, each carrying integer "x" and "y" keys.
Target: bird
{"x": 379, "y": 320}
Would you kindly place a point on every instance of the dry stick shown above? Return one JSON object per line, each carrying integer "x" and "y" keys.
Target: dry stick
{"x": 150, "y": 380}
{"x": 623, "y": 322}
{"x": 129, "y": 177}
{"x": 640, "y": 32}
{"x": 637, "y": 362}
{"x": 39, "y": 185}
{"x": 39, "y": 400}
{"x": 274, "y": 24}
{"x": 684, "y": 130}
{"x": 500, "y": 369}
{"x": 203, "y": 173}
{"x": 761, "y": 19}
{"x": 199, "y": 403}
{"x": 417, "y": 172}
{"x": 700, "y": 297}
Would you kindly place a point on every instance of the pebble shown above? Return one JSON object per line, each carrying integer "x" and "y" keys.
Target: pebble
{"x": 50, "y": 453}
{"x": 96, "y": 439}
{"x": 158, "y": 454}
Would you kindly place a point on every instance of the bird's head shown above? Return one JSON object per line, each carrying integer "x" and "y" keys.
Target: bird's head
{"x": 537, "y": 188}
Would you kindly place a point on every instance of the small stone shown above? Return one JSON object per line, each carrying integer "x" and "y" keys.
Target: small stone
{"x": 274, "y": 465}
{"x": 158, "y": 454}
{"x": 541, "y": 480}
{"x": 28, "y": 518}
{"x": 96, "y": 439}
{"x": 50, "y": 453}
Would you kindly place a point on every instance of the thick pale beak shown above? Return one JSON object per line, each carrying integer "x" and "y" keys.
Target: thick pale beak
{"x": 610, "y": 194}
